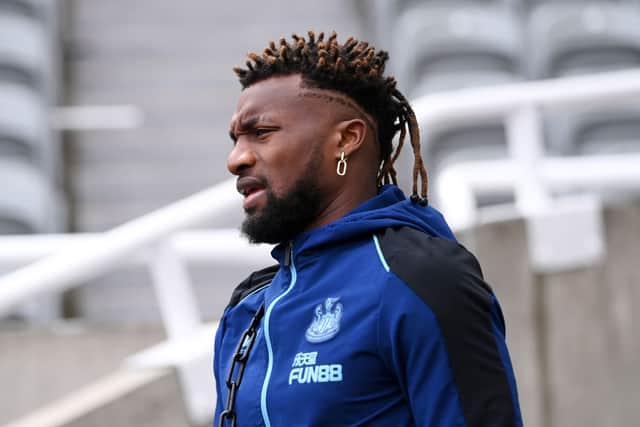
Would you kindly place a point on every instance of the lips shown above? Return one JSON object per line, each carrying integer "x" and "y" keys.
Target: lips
{"x": 252, "y": 189}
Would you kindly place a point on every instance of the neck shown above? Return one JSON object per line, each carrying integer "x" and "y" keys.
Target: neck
{"x": 343, "y": 202}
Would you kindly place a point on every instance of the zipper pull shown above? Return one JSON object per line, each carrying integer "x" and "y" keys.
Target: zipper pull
{"x": 287, "y": 254}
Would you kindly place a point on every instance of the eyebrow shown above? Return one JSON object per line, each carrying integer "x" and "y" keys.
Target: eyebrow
{"x": 248, "y": 123}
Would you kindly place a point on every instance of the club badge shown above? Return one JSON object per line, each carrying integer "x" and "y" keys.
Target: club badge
{"x": 326, "y": 321}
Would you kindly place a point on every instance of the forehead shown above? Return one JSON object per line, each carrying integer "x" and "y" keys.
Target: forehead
{"x": 272, "y": 96}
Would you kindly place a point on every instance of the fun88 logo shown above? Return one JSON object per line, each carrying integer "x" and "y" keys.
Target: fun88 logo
{"x": 305, "y": 370}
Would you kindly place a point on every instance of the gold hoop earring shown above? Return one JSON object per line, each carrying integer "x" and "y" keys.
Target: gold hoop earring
{"x": 341, "y": 169}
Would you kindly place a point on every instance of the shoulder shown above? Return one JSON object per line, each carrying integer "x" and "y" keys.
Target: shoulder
{"x": 444, "y": 277}
{"x": 438, "y": 270}
{"x": 255, "y": 281}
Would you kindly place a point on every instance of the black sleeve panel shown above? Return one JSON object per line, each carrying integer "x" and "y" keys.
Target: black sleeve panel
{"x": 256, "y": 280}
{"x": 449, "y": 281}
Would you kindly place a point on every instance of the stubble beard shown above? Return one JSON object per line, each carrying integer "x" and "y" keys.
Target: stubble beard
{"x": 282, "y": 218}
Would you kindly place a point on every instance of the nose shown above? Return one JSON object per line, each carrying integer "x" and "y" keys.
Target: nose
{"x": 241, "y": 157}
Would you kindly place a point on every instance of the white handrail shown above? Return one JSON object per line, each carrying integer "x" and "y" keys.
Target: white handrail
{"x": 147, "y": 238}
{"x": 515, "y": 104}
{"x": 95, "y": 117}
{"x": 469, "y": 180}
{"x": 224, "y": 246}
{"x": 74, "y": 263}
{"x": 484, "y": 103}
{"x": 519, "y": 106}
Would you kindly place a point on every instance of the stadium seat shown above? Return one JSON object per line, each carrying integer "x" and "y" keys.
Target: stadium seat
{"x": 449, "y": 43}
{"x": 383, "y": 14}
{"x": 574, "y": 38}
{"x": 24, "y": 51}
{"x": 24, "y": 7}
{"x": 534, "y": 3}
{"x": 401, "y": 5}
{"x": 596, "y": 131}
{"x": 24, "y": 127}
{"x": 28, "y": 204}
{"x": 453, "y": 46}
{"x": 473, "y": 141}
{"x": 463, "y": 79}
{"x": 571, "y": 39}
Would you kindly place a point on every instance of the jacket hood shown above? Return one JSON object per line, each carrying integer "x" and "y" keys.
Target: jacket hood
{"x": 390, "y": 208}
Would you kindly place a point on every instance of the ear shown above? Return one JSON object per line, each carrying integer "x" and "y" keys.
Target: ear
{"x": 353, "y": 134}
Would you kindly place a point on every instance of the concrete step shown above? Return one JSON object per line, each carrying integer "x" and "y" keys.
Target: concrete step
{"x": 72, "y": 374}
{"x": 148, "y": 397}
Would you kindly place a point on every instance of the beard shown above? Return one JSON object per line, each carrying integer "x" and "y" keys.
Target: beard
{"x": 282, "y": 218}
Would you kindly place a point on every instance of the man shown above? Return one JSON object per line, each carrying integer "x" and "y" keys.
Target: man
{"x": 374, "y": 315}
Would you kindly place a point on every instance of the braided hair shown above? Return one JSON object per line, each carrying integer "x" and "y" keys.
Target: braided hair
{"x": 356, "y": 70}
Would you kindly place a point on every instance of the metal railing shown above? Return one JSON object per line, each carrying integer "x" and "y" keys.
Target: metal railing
{"x": 152, "y": 240}
{"x": 530, "y": 174}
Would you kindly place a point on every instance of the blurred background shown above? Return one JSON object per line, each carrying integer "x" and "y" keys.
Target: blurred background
{"x": 111, "y": 110}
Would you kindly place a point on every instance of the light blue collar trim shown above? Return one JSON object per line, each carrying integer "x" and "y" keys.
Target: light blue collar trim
{"x": 380, "y": 255}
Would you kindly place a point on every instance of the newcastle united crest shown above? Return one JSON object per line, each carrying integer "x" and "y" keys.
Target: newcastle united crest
{"x": 326, "y": 321}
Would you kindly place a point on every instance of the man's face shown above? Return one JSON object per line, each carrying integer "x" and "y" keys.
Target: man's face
{"x": 281, "y": 158}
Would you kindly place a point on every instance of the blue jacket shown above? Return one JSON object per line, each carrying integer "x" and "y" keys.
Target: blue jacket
{"x": 378, "y": 319}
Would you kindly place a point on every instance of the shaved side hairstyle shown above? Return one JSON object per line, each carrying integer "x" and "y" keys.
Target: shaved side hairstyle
{"x": 354, "y": 69}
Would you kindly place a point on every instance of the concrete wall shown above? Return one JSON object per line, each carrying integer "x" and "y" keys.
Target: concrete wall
{"x": 571, "y": 335}
{"x": 502, "y": 251}
{"x": 39, "y": 365}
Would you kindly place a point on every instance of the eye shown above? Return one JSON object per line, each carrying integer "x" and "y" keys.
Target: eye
{"x": 260, "y": 132}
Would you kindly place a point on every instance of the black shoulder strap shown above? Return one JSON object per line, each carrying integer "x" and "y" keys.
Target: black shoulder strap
{"x": 256, "y": 280}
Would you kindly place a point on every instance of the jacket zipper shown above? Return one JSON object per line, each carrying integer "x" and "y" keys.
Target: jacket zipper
{"x": 287, "y": 254}
{"x": 288, "y": 262}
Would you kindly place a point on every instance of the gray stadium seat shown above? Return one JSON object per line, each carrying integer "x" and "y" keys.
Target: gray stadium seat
{"x": 401, "y": 5}
{"x": 596, "y": 131}
{"x": 28, "y": 204}
{"x": 481, "y": 140}
{"x": 452, "y": 46}
{"x": 574, "y": 38}
{"x": 22, "y": 7}
{"x": 535, "y": 3}
{"x": 447, "y": 42}
{"x": 24, "y": 51}
{"x": 24, "y": 127}
{"x": 463, "y": 79}
{"x": 384, "y": 13}
{"x": 473, "y": 141}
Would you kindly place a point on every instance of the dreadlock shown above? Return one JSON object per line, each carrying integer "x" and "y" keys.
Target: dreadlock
{"x": 355, "y": 69}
